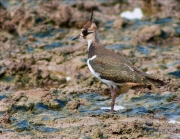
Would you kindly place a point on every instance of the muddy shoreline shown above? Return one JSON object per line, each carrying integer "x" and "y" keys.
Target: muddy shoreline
{"x": 47, "y": 90}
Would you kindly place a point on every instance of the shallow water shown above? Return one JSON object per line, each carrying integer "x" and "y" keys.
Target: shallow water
{"x": 146, "y": 104}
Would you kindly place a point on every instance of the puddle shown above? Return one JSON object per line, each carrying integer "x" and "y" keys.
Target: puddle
{"x": 16, "y": 108}
{"x": 9, "y": 4}
{"x": 47, "y": 31}
{"x": 108, "y": 24}
{"x": 7, "y": 79}
{"x": 142, "y": 22}
{"x": 46, "y": 129}
{"x": 40, "y": 107}
{"x": 143, "y": 49}
{"x": 61, "y": 103}
{"x": 118, "y": 46}
{"x": 175, "y": 73}
{"x": 163, "y": 20}
{"x": 53, "y": 45}
{"x": 149, "y": 103}
{"x": 1, "y": 67}
{"x": 23, "y": 126}
{"x": 23, "y": 39}
{"x": 2, "y": 97}
{"x": 30, "y": 49}
{"x": 177, "y": 29}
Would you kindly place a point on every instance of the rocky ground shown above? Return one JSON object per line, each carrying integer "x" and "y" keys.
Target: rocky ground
{"x": 47, "y": 90}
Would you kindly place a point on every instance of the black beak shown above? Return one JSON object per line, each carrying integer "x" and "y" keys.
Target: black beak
{"x": 76, "y": 37}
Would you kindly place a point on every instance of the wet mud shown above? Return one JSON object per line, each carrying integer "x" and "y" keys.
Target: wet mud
{"x": 47, "y": 90}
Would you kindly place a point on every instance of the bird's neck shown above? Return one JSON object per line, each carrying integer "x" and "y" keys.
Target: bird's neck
{"x": 94, "y": 45}
{"x": 96, "y": 37}
{"x": 93, "y": 40}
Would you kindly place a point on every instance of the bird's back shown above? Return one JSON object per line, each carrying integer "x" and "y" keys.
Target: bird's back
{"x": 115, "y": 67}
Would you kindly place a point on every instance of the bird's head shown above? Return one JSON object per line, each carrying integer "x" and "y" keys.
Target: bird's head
{"x": 88, "y": 32}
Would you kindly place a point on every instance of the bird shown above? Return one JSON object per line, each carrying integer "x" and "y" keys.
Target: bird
{"x": 112, "y": 68}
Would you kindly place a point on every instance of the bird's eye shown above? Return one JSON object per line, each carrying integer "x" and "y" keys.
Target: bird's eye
{"x": 85, "y": 32}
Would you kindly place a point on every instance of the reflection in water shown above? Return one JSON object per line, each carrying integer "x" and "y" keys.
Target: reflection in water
{"x": 116, "y": 108}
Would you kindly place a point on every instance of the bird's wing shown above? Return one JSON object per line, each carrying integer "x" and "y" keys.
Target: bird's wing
{"x": 110, "y": 68}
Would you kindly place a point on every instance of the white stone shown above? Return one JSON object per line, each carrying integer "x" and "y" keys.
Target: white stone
{"x": 135, "y": 14}
{"x": 173, "y": 121}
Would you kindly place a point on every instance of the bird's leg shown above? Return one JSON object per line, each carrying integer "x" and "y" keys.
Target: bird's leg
{"x": 113, "y": 96}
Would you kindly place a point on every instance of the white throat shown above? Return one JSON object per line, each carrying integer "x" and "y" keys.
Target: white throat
{"x": 89, "y": 43}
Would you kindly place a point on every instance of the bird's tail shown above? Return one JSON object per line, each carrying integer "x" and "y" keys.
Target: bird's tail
{"x": 156, "y": 82}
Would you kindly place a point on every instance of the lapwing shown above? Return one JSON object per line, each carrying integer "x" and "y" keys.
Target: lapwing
{"x": 111, "y": 68}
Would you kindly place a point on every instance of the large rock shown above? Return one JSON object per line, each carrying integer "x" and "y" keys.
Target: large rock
{"x": 58, "y": 13}
{"x": 29, "y": 98}
{"x": 149, "y": 33}
{"x": 119, "y": 23}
